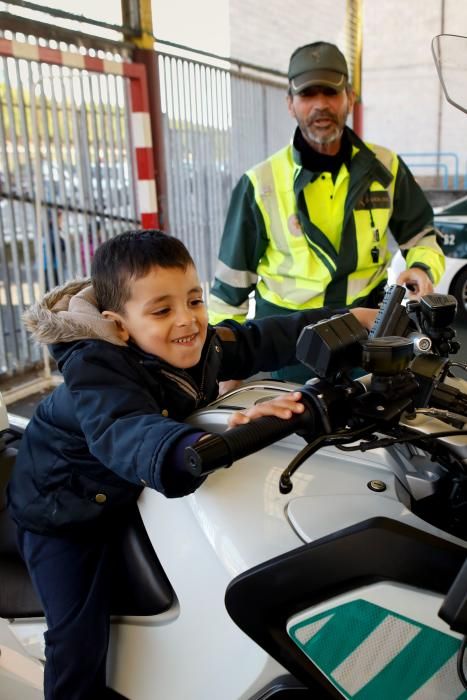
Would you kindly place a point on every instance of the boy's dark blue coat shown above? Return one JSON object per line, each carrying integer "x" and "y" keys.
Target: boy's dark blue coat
{"x": 110, "y": 428}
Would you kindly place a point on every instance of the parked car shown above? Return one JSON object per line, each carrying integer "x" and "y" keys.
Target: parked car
{"x": 451, "y": 221}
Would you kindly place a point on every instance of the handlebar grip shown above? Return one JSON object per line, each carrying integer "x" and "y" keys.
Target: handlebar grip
{"x": 449, "y": 398}
{"x": 222, "y": 450}
{"x": 392, "y": 318}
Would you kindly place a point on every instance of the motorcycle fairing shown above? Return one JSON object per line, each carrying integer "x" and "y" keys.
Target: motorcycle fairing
{"x": 371, "y": 652}
{"x": 264, "y": 599}
{"x": 284, "y": 688}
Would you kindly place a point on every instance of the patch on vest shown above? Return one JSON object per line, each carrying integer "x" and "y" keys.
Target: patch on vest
{"x": 295, "y": 228}
{"x": 375, "y": 200}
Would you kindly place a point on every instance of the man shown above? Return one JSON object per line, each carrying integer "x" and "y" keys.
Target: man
{"x": 309, "y": 226}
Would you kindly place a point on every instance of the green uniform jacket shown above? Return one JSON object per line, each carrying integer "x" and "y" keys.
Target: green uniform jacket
{"x": 303, "y": 239}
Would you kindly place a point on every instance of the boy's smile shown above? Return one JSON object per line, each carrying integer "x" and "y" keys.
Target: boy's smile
{"x": 166, "y": 315}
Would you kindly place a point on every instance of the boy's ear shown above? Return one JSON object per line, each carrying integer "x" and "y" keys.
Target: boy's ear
{"x": 119, "y": 322}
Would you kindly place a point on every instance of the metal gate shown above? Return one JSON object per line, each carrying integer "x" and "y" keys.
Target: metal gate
{"x": 75, "y": 169}
{"x": 219, "y": 119}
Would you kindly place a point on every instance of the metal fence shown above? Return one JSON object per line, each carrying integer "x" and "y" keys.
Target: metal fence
{"x": 218, "y": 121}
{"x": 67, "y": 168}
{"x": 67, "y": 165}
{"x": 66, "y": 182}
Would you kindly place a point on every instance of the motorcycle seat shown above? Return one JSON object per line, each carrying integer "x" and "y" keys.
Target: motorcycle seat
{"x": 140, "y": 586}
{"x": 17, "y": 595}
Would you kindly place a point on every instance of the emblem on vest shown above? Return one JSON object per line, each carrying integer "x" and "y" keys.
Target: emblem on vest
{"x": 294, "y": 225}
{"x": 375, "y": 200}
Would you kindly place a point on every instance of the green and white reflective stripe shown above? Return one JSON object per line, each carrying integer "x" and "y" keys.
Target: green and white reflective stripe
{"x": 235, "y": 278}
{"x": 435, "y": 686}
{"x": 429, "y": 240}
{"x": 265, "y": 187}
{"x": 387, "y": 158}
{"x": 371, "y": 653}
{"x": 298, "y": 298}
{"x": 219, "y": 310}
{"x": 304, "y": 634}
{"x": 426, "y": 245}
{"x": 390, "y": 637}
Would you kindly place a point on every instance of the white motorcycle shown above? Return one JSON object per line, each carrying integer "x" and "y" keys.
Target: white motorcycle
{"x": 344, "y": 579}
{"x": 329, "y": 561}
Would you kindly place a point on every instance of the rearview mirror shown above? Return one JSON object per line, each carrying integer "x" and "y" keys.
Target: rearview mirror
{"x": 450, "y": 56}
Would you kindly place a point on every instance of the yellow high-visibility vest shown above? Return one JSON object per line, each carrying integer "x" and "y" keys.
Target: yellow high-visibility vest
{"x": 298, "y": 267}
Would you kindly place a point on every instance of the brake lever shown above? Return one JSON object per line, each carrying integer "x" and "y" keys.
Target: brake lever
{"x": 285, "y": 482}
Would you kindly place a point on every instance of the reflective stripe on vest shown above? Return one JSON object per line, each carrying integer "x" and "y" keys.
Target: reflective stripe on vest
{"x": 293, "y": 272}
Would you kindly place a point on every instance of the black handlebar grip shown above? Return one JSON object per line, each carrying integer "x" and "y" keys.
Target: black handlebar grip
{"x": 217, "y": 451}
{"x": 449, "y": 398}
{"x": 390, "y": 313}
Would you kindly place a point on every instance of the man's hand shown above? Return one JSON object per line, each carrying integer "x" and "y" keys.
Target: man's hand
{"x": 417, "y": 282}
{"x": 365, "y": 316}
{"x": 282, "y": 407}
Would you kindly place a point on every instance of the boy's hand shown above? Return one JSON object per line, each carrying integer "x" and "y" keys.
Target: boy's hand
{"x": 229, "y": 385}
{"x": 282, "y": 407}
{"x": 365, "y": 316}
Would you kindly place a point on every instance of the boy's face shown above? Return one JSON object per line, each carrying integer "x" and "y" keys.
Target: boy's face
{"x": 166, "y": 315}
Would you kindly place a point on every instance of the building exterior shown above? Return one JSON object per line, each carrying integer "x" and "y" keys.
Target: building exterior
{"x": 403, "y": 107}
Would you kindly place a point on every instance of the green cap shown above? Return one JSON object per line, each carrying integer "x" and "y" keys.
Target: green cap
{"x": 317, "y": 64}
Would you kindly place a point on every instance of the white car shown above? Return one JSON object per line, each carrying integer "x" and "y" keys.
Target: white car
{"x": 451, "y": 221}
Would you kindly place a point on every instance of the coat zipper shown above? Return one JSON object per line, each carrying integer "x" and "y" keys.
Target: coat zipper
{"x": 184, "y": 380}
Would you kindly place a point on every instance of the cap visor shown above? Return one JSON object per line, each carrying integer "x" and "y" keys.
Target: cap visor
{"x": 325, "y": 78}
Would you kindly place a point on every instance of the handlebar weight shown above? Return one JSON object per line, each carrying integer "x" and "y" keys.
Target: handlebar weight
{"x": 217, "y": 451}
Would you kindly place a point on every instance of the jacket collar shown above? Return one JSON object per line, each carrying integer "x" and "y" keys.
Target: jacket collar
{"x": 196, "y": 381}
{"x": 314, "y": 161}
{"x": 363, "y": 161}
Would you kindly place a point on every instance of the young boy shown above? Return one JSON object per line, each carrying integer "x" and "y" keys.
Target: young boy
{"x": 137, "y": 357}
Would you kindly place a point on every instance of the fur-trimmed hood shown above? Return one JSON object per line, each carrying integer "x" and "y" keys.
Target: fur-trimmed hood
{"x": 69, "y": 313}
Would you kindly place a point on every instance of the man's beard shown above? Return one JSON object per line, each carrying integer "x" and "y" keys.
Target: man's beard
{"x": 334, "y": 134}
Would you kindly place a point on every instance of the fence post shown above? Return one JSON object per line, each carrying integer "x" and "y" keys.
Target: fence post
{"x": 137, "y": 15}
{"x": 354, "y": 22}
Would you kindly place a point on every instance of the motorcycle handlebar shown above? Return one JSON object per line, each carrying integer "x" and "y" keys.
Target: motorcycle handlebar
{"x": 449, "y": 397}
{"x": 222, "y": 450}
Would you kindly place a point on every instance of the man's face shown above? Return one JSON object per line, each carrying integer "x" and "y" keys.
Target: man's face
{"x": 321, "y": 114}
{"x": 166, "y": 315}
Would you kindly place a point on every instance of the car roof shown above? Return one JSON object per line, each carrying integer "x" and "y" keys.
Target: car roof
{"x": 456, "y": 208}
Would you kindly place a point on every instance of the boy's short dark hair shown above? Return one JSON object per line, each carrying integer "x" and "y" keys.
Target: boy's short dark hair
{"x": 128, "y": 256}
